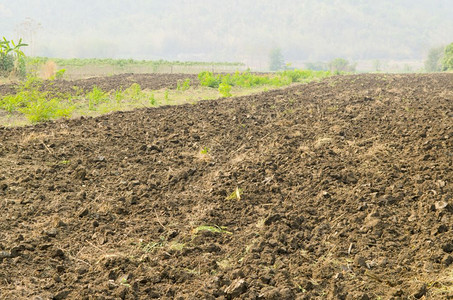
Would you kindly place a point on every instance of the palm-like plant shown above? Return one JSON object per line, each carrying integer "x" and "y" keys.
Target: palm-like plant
{"x": 12, "y": 57}
{"x": 7, "y": 47}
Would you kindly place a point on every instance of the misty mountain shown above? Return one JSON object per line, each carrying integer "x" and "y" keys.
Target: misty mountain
{"x": 234, "y": 30}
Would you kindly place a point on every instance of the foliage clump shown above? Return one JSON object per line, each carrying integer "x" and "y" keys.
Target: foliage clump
{"x": 225, "y": 90}
{"x": 339, "y": 65}
{"x": 276, "y": 61}
{"x": 433, "y": 62}
{"x": 247, "y": 79}
{"x": 447, "y": 61}
{"x": 12, "y": 59}
{"x": 184, "y": 85}
{"x": 35, "y": 104}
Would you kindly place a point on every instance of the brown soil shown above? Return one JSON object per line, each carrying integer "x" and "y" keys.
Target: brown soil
{"x": 347, "y": 194}
{"x": 123, "y": 81}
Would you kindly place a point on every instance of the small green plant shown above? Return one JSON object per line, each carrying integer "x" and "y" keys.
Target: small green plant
{"x": 60, "y": 74}
{"x": 214, "y": 229}
{"x": 124, "y": 281}
{"x": 134, "y": 92}
{"x": 186, "y": 84}
{"x": 175, "y": 246}
{"x": 183, "y": 85}
{"x": 118, "y": 96}
{"x": 225, "y": 90}
{"x": 152, "y": 100}
{"x": 236, "y": 195}
{"x": 166, "y": 96}
{"x": 152, "y": 246}
{"x": 95, "y": 97}
{"x": 205, "y": 150}
{"x": 77, "y": 91}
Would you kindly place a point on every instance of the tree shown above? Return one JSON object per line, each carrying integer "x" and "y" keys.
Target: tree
{"x": 28, "y": 29}
{"x": 317, "y": 66}
{"x": 276, "y": 61}
{"x": 447, "y": 61}
{"x": 341, "y": 65}
{"x": 377, "y": 65}
{"x": 433, "y": 62}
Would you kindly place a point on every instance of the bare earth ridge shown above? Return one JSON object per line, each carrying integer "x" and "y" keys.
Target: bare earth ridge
{"x": 344, "y": 185}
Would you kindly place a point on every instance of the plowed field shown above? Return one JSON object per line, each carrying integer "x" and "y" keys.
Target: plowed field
{"x": 340, "y": 189}
{"x": 146, "y": 81}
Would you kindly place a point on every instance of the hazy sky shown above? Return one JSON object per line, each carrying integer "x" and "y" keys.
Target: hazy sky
{"x": 232, "y": 30}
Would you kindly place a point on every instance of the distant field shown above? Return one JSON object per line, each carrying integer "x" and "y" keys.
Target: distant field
{"x": 77, "y": 68}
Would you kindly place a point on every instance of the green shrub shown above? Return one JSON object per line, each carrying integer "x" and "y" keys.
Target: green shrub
{"x": 12, "y": 103}
{"x": 36, "y": 105}
{"x": 208, "y": 79}
{"x": 43, "y": 110}
{"x": 27, "y": 92}
{"x": 167, "y": 96}
{"x": 95, "y": 97}
{"x": 225, "y": 90}
{"x": 134, "y": 92}
{"x": 247, "y": 79}
{"x": 119, "y": 96}
{"x": 152, "y": 100}
{"x": 60, "y": 74}
{"x": 183, "y": 85}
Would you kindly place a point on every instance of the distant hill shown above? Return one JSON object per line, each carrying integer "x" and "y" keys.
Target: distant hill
{"x": 308, "y": 30}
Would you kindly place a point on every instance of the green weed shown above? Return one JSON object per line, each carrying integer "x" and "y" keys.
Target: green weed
{"x": 95, "y": 97}
{"x": 205, "y": 150}
{"x": 37, "y": 106}
{"x": 208, "y": 79}
{"x": 12, "y": 103}
{"x": 214, "y": 229}
{"x": 43, "y": 110}
{"x": 166, "y": 96}
{"x": 225, "y": 90}
{"x": 134, "y": 92}
{"x": 183, "y": 86}
{"x": 119, "y": 96}
{"x": 236, "y": 194}
{"x": 58, "y": 75}
{"x": 152, "y": 100}
{"x": 152, "y": 246}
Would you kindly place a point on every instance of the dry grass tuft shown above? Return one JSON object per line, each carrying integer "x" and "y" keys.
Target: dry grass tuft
{"x": 48, "y": 70}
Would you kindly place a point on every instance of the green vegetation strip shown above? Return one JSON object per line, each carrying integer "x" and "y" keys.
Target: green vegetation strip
{"x": 80, "y": 62}
{"x": 36, "y": 104}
